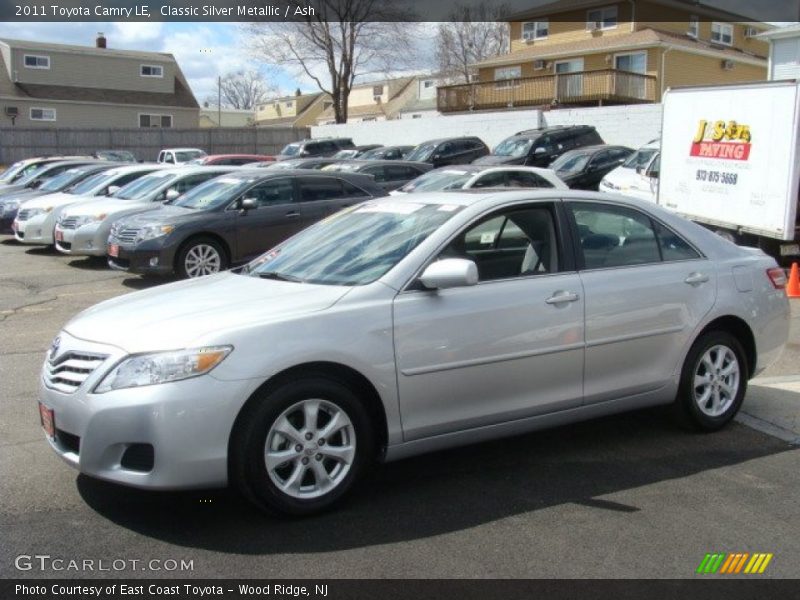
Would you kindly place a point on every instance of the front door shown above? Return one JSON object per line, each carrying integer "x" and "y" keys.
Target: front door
{"x": 631, "y": 86}
{"x": 569, "y": 79}
{"x": 507, "y": 348}
{"x": 646, "y": 291}
{"x": 275, "y": 218}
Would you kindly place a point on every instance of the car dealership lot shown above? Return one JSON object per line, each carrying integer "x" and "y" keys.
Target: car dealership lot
{"x": 627, "y": 496}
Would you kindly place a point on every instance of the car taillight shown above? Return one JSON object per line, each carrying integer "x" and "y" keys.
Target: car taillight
{"x": 778, "y": 277}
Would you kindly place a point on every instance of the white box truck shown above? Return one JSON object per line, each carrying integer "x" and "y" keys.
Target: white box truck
{"x": 729, "y": 160}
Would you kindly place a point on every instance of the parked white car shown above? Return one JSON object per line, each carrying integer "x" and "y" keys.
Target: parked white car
{"x": 180, "y": 156}
{"x": 632, "y": 178}
{"x": 83, "y": 228}
{"x": 36, "y": 220}
{"x": 463, "y": 177}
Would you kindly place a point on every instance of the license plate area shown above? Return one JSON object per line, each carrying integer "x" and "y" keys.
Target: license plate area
{"x": 59, "y": 236}
{"x": 790, "y": 249}
{"x": 48, "y": 420}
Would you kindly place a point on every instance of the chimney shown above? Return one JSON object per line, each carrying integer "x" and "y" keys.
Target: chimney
{"x": 101, "y": 40}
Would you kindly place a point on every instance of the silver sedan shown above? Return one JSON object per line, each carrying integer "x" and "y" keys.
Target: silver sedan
{"x": 403, "y": 326}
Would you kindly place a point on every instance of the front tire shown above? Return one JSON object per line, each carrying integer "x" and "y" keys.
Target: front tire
{"x": 299, "y": 448}
{"x": 713, "y": 381}
{"x": 200, "y": 257}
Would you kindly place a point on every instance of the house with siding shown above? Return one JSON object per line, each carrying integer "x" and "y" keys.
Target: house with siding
{"x": 299, "y": 110}
{"x": 784, "y": 52}
{"x": 59, "y": 85}
{"x": 594, "y": 52}
{"x": 374, "y": 101}
{"x": 423, "y": 102}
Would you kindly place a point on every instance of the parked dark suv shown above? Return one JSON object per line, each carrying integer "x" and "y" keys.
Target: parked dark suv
{"x": 320, "y": 147}
{"x": 584, "y": 168}
{"x": 540, "y": 147}
{"x": 231, "y": 219}
{"x": 448, "y": 151}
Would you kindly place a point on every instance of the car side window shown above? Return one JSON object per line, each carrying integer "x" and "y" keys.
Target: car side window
{"x": 272, "y": 192}
{"x": 377, "y": 172}
{"x": 515, "y": 242}
{"x": 352, "y": 191}
{"x": 396, "y": 172}
{"x": 320, "y": 188}
{"x": 600, "y": 159}
{"x": 673, "y": 246}
{"x": 614, "y": 236}
{"x": 497, "y": 179}
{"x": 524, "y": 179}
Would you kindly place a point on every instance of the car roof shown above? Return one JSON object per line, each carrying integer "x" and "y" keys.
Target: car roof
{"x": 381, "y": 161}
{"x": 125, "y": 169}
{"x": 450, "y": 139}
{"x": 237, "y": 156}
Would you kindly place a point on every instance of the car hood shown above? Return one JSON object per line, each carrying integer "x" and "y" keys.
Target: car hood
{"x": 162, "y": 215}
{"x": 53, "y": 200}
{"x": 622, "y": 177}
{"x": 492, "y": 159}
{"x": 106, "y": 205}
{"x": 20, "y": 196}
{"x": 198, "y": 311}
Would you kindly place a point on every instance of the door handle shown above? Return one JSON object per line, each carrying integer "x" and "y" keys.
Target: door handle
{"x": 696, "y": 278}
{"x": 562, "y": 297}
{"x": 292, "y": 214}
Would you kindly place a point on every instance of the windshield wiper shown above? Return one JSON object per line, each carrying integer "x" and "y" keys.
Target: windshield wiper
{"x": 279, "y": 276}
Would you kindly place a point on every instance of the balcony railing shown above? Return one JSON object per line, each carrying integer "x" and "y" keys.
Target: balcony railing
{"x": 585, "y": 87}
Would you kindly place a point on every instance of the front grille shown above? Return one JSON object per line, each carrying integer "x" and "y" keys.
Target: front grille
{"x": 68, "y": 441}
{"x": 68, "y": 372}
{"x": 126, "y": 235}
{"x": 23, "y": 214}
{"x": 69, "y": 223}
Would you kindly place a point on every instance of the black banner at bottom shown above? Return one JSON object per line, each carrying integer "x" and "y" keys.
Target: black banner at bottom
{"x": 390, "y": 589}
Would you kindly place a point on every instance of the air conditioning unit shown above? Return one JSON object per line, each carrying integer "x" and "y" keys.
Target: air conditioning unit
{"x": 727, "y": 64}
{"x": 538, "y": 65}
{"x": 750, "y": 32}
{"x": 12, "y": 111}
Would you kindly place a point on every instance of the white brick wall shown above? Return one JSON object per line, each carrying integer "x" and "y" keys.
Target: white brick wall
{"x": 632, "y": 125}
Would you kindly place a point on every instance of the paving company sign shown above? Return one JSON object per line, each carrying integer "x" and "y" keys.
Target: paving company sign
{"x": 727, "y": 140}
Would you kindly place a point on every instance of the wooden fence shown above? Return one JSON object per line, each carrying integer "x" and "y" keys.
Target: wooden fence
{"x": 17, "y": 143}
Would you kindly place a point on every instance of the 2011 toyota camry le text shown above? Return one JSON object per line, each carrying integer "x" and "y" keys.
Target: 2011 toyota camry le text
{"x": 397, "y": 327}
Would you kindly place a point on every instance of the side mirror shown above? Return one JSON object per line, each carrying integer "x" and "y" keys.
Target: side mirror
{"x": 653, "y": 173}
{"x": 248, "y": 204}
{"x": 36, "y": 183}
{"x": 539, "y": 151}
{"x": 171, "y": 194}
{"x": 304, "y": 153}
{"x": 112, "y": 189}
{"x": 450, "y": 273}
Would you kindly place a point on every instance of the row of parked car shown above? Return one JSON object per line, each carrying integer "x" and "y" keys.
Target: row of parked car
{"x": 193, "y": 214}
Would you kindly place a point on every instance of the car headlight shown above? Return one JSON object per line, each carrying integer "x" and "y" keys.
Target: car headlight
{"x": 162, "y": 367}
{"x": 9, "y": 206}
{"x": 35, "y": 212}
{"x": 86, "y": 219}
{"x": 152, "y": 231}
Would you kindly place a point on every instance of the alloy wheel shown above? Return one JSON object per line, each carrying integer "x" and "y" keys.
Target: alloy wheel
{"x": 202, "y": 259}
{"x": 716, "y": 380}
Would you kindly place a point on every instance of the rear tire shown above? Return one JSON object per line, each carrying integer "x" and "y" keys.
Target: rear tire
{"x": 201, "y": 256}
{"x": 299, "y": 448}
{"x": 713, "y": 382}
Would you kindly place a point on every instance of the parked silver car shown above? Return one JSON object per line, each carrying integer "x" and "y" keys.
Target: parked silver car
{"x": 402, "y": 326}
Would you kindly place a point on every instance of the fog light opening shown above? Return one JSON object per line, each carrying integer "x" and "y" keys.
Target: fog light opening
{"x": 154, "y": 261}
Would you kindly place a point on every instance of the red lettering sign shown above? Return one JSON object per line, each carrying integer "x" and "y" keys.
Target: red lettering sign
{"x": 721, "y": 150}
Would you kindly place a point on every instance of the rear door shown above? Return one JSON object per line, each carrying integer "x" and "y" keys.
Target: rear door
{"x": 276, "y": 217}
{"x": 646, "y": 291}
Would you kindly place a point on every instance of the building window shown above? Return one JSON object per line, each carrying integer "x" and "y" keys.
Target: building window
{"x": 535, "y": 30}
{"x": 289, "y": 104}
{"x": 602, "y": 18}
{"x": 722, "y": 33}
{"x": 377, "y": 90}
{"x": 162, "y": 121}
{"x": 33, "y": 61}
{"x": 694, "y": 26}
{"x": 416, "y": 116}
{"x": 43, "y": 114}
{"x": 505, "y": 76}
{"x": 151, "y": 71}
{"x": 428, "y": 83}
{"x": 367, "y": 119}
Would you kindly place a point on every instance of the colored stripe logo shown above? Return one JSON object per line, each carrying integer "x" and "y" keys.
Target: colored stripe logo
{"x": 734, "y": 563}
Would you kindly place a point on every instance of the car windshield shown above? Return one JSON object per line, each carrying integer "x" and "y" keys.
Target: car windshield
{"x": 570, "y": 162}
{"x": 421, "y": 152}
{"x": 355, "y": 246}
{"x": 291, "y": 150}
{"x": 436, "y": 181}
{"x": 187, "y": 155}
{"x": 143, "y": 185}
{"x": 62, "y": 180}
{"x": 513, "y": 147}
{"x": 213, "y": 193}
{"x": 92, "y": 183}
{"x": 640, "y": 158}
{"x": 11, "y": 171}
{"x": 32, "y": 173}
{"x": 345, "y": 154}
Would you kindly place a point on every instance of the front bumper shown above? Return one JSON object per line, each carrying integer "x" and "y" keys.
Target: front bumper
{"x": 37, "y": 230}
{"x": 88, "y": 240}
{"x": 149, "y": 257}
{"x": 185, "y": 424}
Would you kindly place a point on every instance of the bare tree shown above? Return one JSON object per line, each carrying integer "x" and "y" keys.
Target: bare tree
{"x": 473, "y": 34}
{"x": 242, "y": 89}
{"x": 343, "y": 40}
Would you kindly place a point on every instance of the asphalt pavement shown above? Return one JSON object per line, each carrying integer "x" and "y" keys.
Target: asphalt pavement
{"x": 626, "y": 496}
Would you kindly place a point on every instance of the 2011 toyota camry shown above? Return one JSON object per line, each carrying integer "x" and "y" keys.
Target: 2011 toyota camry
{"x": 398, "y": 327}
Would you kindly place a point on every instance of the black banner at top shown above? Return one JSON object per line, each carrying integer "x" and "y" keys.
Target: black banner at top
{"x": 379, "y": 10}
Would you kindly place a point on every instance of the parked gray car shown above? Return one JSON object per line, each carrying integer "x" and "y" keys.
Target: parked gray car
{"x": 402, "y": 326}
